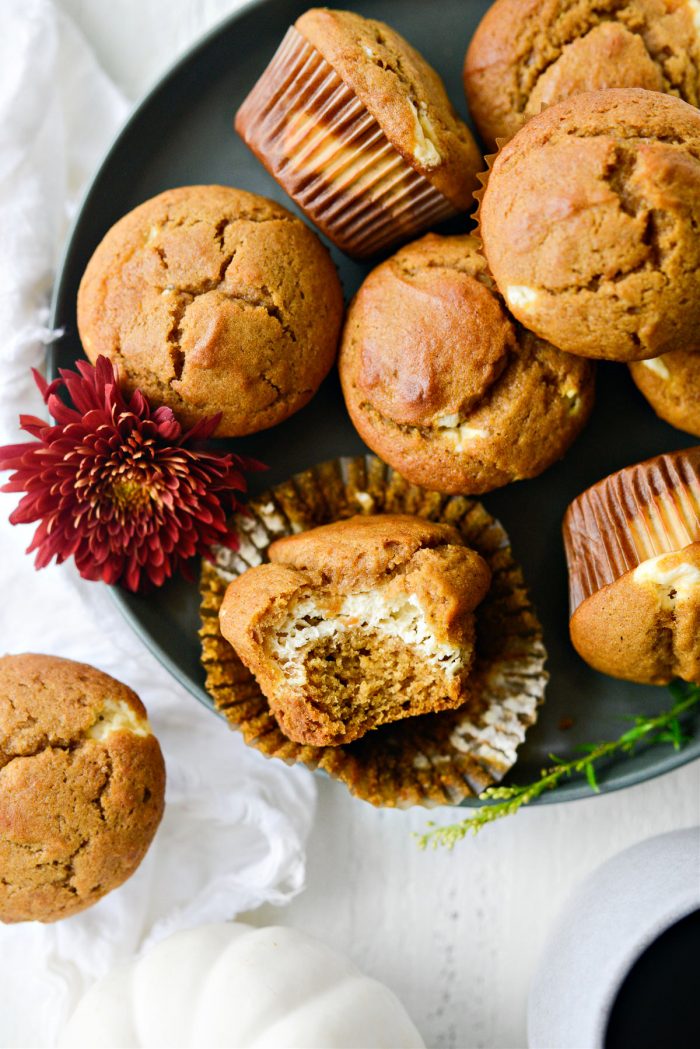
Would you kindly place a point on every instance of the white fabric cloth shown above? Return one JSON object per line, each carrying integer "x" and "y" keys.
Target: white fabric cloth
{"x": 234, "y": 831}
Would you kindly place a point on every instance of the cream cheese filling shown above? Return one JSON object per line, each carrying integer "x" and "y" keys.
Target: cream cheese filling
{"x": 461, "y": 434}
{"x": 118, "y": 716}
{"x": 657, "y": 366}
{"x": 424, "y": 149}
{"x": 680, "y": 581}
{"x": 573, "y": 396}
{"x": 521, "y": 297}
{"x": 397, "y": 616}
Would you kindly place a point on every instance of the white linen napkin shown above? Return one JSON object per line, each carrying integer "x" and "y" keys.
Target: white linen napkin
{"x": 235, "y": 826}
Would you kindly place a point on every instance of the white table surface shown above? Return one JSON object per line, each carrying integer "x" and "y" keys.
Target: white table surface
{"x": 456, "y": 935}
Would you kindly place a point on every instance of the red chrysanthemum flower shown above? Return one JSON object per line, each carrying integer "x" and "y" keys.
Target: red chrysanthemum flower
{"x": 118, "y": 486}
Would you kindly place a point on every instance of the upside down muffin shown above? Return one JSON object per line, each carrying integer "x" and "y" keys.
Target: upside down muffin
{"x": 358, "y": 623}
{"x": 633, "y": 550}
{"x": 357, "y": 127}
{"x": 444, "y": 385}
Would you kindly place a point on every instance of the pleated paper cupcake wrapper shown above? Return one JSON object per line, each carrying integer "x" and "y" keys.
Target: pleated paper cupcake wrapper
{"x": 429, "y": 760}
{"x": 641, "y": 512}
{"x": 318, "y": 140}
{"x": 482, "y": 178}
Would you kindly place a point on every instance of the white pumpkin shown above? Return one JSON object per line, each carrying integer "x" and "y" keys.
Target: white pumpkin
{"x": 233, "y": 985}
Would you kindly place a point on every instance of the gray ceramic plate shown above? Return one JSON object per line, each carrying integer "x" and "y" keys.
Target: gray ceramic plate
{"x": 182, "y": 133}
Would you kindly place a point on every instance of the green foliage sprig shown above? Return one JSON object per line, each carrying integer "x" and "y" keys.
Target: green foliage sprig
{"x": 664, "y": 728}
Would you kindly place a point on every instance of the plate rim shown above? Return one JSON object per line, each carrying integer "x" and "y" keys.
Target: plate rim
{"x": 574, "y": 790}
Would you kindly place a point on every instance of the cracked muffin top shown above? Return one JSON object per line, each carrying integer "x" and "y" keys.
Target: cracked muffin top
{"x": 82, "y": 783}
{"x": 211, "y": 299}
{"x": 529, "y": 54}
{"x": 444, "y": 385}
{"x": 591, "y": 224}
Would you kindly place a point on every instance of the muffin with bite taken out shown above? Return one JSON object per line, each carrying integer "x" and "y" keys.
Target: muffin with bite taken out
{"x": 358, "y": 623}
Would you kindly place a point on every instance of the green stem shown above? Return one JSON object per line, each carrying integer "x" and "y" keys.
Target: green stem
{"x": 507, "y": 800}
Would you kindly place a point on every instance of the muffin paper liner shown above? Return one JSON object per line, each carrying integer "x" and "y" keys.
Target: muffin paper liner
{"x": 321, "y": 144}
{"x": 428, "y": 760}
{"x": 483, "y": 180}
{"x": 640, "y": 512}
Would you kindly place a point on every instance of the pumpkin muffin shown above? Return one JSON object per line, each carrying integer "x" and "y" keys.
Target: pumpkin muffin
{"x": 210, "y": 299}
{"x": 671, "y": 384}
{"x": 358, "y": 129}
{"x": 82, "y": 782}
{"x": 440, "y": 758}
{"x": 444, "y": 385}
{"x": 633, "y": 550}
{"x": 529, "y": 54}
{"x": 358, "y": 623}
{"x": 591, "y": 224}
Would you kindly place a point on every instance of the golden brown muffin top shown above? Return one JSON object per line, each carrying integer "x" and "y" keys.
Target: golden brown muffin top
{"x": 632, "y": 546}
{"x": 443, "y": 384}
{"x": 434, "y": 337}
{"x": 589, "y": 223}
{"x": 362, "y": 549}
{"x": 645, "y": 626}
{"x": 403, "y": 93}
{"x": 82, "y": 782}
{"x": 528, "y": 54}
{"x": 46, "y": 701}
{"x": 671, "y": 384}
{"x": 213, "y": 299}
